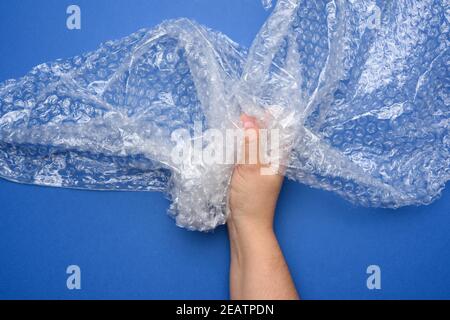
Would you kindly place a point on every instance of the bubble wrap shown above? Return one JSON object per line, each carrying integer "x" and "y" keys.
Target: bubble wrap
{"x": 358, "y": 89}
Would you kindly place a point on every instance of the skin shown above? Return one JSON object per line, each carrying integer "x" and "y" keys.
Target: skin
{"x": 258, "y": 270}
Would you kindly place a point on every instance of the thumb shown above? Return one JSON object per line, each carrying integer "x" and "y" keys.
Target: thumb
{"x": 250, "y": 145}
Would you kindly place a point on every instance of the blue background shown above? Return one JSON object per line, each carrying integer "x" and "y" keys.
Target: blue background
{"x": 126, "y": 245}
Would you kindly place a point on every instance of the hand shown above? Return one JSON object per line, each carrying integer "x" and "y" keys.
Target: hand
{"x": 252, "y": 194}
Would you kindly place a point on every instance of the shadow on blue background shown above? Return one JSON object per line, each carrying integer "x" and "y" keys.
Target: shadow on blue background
{"x": 126, "y": 245}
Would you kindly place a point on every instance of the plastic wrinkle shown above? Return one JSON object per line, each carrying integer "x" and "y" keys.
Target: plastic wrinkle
{"x": 358, "y": 89}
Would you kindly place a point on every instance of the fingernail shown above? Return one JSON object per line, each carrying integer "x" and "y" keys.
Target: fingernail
{"x": 249, "y": 124}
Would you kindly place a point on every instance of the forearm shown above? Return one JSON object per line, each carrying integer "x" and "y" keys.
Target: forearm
{"x": 258, "y": 269}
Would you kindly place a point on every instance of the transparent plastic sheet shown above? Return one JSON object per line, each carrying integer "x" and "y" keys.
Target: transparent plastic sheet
{"x": 358, "y": 89}
{"x": 267, "y": 4}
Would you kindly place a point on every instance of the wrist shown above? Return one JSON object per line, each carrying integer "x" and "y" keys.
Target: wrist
{"x": 257, "y": 220}
{"x": 247, "y": 229}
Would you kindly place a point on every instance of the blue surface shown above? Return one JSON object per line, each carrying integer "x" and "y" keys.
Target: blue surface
{"x": 126, "y": 245}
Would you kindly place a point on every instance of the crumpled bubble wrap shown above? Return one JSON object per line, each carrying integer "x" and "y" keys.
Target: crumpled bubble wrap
{"x": 358, "y": 89}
